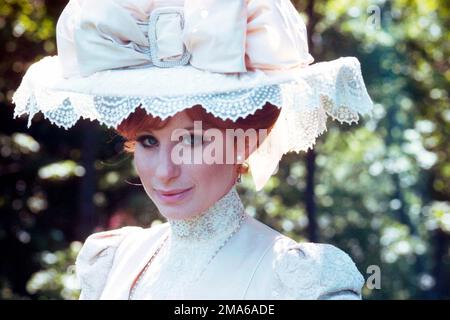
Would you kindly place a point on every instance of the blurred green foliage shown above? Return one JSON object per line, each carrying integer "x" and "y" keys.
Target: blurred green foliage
{"x": 381, "y": 187}
{"x": 57, "y": 279}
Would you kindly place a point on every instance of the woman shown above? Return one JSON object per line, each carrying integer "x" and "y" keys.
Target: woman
{"x": 210, "y": 248}
{"x": 251, "y": 75}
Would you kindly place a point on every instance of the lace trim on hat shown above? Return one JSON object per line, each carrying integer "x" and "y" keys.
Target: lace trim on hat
{"x": 112, "y": 110}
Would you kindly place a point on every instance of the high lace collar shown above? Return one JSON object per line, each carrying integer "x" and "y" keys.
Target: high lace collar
{"x": 221, "y": 219}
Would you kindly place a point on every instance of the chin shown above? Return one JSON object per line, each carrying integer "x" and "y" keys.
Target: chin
{"x": 186, "y": 209}
{"x": 174, "y": 213}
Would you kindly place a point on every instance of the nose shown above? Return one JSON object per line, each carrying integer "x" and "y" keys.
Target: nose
{"x": 166, "y": 169}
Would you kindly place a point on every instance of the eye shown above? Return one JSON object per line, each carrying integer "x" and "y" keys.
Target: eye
{"x": 147, "y": 141}
{"x": 192, "y": 140}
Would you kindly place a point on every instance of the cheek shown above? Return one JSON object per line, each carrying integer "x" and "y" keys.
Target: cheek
{"x": 230, "y": 149}
{"x": 143, "y": 164}
{"x": 206, "y": 174}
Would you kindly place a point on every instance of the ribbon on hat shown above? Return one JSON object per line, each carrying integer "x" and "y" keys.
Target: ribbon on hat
{"x": 226, "y": 36}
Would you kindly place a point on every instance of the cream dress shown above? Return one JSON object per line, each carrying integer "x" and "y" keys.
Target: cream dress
{"x": 221, "y": 254}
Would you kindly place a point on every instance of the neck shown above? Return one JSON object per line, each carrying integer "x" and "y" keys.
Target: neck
{"x": 222, "y": 218}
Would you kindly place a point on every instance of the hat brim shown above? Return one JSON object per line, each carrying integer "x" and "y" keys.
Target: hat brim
{"x": 111, "y": 96}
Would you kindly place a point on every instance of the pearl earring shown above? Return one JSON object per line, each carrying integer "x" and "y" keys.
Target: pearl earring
{"x": 239, "y": 177}
{"x": 239, "y": 159}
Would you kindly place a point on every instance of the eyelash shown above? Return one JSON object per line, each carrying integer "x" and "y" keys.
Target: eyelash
{"x": 141, "y": 140}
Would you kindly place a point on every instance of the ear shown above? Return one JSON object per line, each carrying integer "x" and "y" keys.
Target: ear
{"x": 243, "y": 151}
{"x": 251, "y": 145}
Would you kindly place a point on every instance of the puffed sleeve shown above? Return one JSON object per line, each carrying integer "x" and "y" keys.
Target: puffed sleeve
{"x": 316, "y": 271}
{"x": 95, "y": 260}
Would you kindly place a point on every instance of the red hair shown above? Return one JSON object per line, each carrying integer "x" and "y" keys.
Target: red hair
{"x": 140, "y": 121}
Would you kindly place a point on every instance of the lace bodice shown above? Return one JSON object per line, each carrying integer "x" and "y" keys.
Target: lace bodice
{"x": 222, "y": 253}
{"x": 219, "y": 220}
{"x": 191, "y": 244}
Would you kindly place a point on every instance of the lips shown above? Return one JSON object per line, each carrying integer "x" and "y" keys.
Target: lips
{"x": 172, "y": 192}
{"x": 174, "y": 196}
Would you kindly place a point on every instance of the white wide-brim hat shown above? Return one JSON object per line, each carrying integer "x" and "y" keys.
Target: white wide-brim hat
{"x": 231, "y": 57}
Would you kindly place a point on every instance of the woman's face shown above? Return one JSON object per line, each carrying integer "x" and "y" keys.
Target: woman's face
{"x": 200, "y": 184}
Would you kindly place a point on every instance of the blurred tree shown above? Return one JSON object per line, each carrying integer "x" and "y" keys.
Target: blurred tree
{"x": 57, "y": 279}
